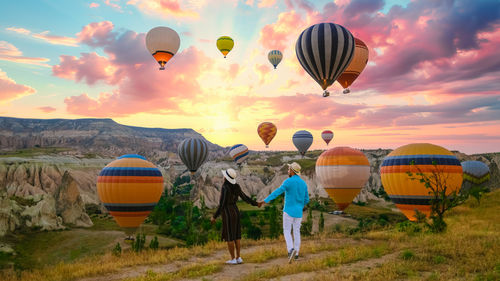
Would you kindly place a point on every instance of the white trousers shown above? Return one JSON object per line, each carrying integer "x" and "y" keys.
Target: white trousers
{"x": 288, "y": 223}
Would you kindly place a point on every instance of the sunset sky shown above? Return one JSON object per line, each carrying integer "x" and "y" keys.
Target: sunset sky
{"x": 433, "y": 73}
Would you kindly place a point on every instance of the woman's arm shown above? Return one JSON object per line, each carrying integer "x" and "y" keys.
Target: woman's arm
{"x": 246, "y": 198}
{"x": 222, "y": 201}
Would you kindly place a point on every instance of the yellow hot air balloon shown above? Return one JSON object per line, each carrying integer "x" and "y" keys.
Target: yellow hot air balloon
{"x": 163, "y": 43}
{"x": 225, "y": 44}
{"x": 342, "y": 171}
{"x": 410, "y": 195}
{"x": 129, "y": 189}
{"x": 356, "y": 66}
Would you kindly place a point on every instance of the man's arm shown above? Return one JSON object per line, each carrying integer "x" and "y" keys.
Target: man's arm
{"x": 277, "y": 192}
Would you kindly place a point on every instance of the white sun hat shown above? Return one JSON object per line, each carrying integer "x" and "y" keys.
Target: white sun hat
{"x": 295, "y": 167}
{"x": 230, "y": 175}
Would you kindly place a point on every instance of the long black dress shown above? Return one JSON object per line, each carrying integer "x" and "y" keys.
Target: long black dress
{"x": 231, "y": 227}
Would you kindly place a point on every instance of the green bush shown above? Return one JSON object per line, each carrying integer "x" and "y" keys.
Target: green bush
{"x": 117, "y": 250}
{"x": 138, "y": 244}
{"x": 153, "y": 244}
{"x": 407, "y": 254}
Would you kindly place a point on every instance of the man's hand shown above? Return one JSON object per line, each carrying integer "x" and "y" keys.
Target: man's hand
{"x": 259, "y": 204}
{"x": 212, "y": 220}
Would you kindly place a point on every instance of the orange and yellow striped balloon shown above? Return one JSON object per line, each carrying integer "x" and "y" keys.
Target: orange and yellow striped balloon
{"x": 129, "y": 189}
{"x": 410, "y": 195}
{"x": 267, "y": 131}
{"x": 342, "y": 171}
{"x": 356, "y": 66}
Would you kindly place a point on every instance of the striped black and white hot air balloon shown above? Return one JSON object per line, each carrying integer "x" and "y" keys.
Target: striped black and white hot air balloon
{"x": 193, "y": 153}
{"x": 325, "y": 50}
{"x": 302, "y": 141}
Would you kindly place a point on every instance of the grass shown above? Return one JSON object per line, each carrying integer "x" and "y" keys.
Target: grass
{"x": 30, "y": 152}
{"x": 189, "y": 271}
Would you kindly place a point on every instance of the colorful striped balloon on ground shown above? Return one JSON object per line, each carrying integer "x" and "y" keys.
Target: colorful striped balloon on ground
{"x": 275, "y": 57}
{"x": 410, "y": 195}
{"x": 193, "y": 153}
{"x": 476, "y": 173}
{"x": 302, "y": 141}
{"x": 325, "y": 50}
{"x": 239, "y": 153}
{"x": 327, "y": 136}
{"x": 225, "y": 44}
{"x": 356, "y": 66}
{"x": 267, "y": 131}
{"x": 129, "y": 188}
{"x": 342, "y": 171}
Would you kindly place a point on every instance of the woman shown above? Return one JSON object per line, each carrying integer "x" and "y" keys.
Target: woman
{"x": 231, "y": 228}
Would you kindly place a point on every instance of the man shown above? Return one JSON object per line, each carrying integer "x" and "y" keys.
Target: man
{"x": 296, "y": 197}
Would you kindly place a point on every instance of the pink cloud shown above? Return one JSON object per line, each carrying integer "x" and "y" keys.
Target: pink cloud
{"x": 276, "y": 35}
{"x": 9, "y": 52}
{"x": 167, "y": 8}
{"x": 234, "y": 70}
{"x": 45, "y": 36}
{"x": 94, "y": 5}
{"x": 266, "y": 3}
{"x": 10, "y": 90}
{"x": 46, "y": 109}
{"x": 96, "y": 34}
{"x": 89, "y": 67}
{"x": 112, "y": 4}
{"x": 19, "y": 30}
{"x": 262, "y": 70}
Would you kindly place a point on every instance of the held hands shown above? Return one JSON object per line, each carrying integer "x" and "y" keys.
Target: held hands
{"x": 259, "y": 204}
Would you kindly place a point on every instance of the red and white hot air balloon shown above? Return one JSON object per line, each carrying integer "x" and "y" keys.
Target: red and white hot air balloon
{"x": 327, "y": 136}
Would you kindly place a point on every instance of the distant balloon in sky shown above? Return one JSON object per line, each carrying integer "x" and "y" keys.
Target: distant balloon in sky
{"x": 239, "y": 153}
{"x": 302, "y": 141}
{"x": 342, "y": 171}
{"x": 225, "y": 45}
{"x": 410, "y": 195}
{"x": 163, "y": 43}
{"x": 356, "y": 66}
{"x": 327, "y": 136}
{"x": 193, "y": 153}
{"x": 275, "y": 57}
{"x": 325, "y": 50}
{"x": 129, "y": 189}
{"x": 476, "y": 173}
{"x": 267, "y": 131}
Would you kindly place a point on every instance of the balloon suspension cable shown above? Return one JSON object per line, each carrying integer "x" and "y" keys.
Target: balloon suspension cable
{"x": 326, "y": 94}
{"x": 346, "y": 91}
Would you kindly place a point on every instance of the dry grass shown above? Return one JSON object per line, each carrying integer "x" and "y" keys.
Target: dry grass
{"x": 189, "y": 271}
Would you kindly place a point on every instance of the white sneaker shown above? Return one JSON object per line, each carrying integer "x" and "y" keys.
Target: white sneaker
{"x": 239, "y": 260}
{"x": 232, "y": 262}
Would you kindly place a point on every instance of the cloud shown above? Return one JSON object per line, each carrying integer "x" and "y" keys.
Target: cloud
{"x": 262, "y": 70}
{"x": 45, "y": 36}
{"x": 266, "y": 3}
{"x": 113, "y": 4}
{"x": 138, "y": 84}
{"x": 276, "y": 35}
{"x": 169, "y": 8}
{"x": 94, "y": 5}
{"x": 46, "y": 109}
{"x": 10, "y": 90}
{"x": 9, "y": 52}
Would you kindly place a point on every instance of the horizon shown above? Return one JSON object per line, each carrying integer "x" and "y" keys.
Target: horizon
{"x": 432, "y": 74}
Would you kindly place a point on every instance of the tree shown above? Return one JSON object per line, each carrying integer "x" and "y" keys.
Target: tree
{"x": 154, "y": 243}
{"x": 274, "y": 225}
{"x": 321, "y": 224}
{"x": 138, "y": 244}
{"x": 442, "y": 200}
{"x": 307, "y": 226}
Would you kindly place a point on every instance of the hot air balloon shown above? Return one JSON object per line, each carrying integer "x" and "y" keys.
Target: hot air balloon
{"x": 325, "y": 50}
{"x": 225, "y": 44}
{"x": 275, "y": 57}
{"x": 193, "y": 153}
{"x": 239, "y": 153}
{"x": 163, "y": 43}
{"x": 475, "y": 173}
{"x": 356, "y": 66}
{"x": 410, "y": 195}
{"x": 129, "y": 189}
{"x": 342, "y": 171}
{"x": 302, "y": 141}
{"x": 327, "y": 136}
{"x": 267, "y": 131}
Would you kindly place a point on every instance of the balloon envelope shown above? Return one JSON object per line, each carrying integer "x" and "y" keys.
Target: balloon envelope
{"x": 275, "y": 57}
{"x": 342, "y": 171}
{"x": 225, "y": 44}
{"x": 239, "y": 153}
{"x": 325, "y": 50}
{"x": 193, "y": 153}
{"x": 302, "y": 141}
{"x": 129, "y": 189}
{"x": 356, "y": 66}
{"x": 410, "y": 195}
{"x": 267, "y": 131}
{"x": 476, "y": 173}
{"x": 327, "y": 136}
{"x": 163, "y": 43}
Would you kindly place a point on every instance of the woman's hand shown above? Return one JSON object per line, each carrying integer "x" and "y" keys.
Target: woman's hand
{"x": 212, "y": 220}
{"x": 259, "y": 204}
